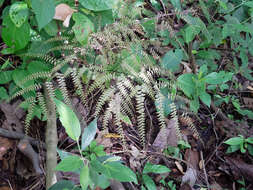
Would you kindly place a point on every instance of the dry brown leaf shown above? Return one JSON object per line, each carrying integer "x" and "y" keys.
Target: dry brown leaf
{"x": 5, "y": 145}
{"x": 166, "y": 137}
{"x": 248, "y": 102}
{"x": 180, "y": 167}
{"x": 63, "y": 12}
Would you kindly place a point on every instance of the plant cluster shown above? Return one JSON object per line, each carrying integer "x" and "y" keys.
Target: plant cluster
{"x": 131, "y": 63}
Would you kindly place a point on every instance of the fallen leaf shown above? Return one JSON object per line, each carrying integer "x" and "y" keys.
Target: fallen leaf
{"x": 180, "y": 167}
{"x": 63, "y": 12}
{"x": 5, "y": 145}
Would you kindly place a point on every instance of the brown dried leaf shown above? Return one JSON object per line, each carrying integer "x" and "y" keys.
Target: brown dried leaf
{"x": 5, "y": 145}
{"x": 166, "y": 137}
{"x": 248, "y": 102}
{"x": 63, "y": 12}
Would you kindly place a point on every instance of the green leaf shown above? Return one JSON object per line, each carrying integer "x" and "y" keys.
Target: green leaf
{"x": 99, "y": 179}
{"x": 5, "y": 76}
{"x": 97, "y": 5}
{"x": 15, "y": 37}
{"x": 155, "y": 168}
{"x": 120, "y": 172}
{"x": 186, "y": 83}
{"x": 194, "y": 104}
{"x": 1, "y": 3}
{"x": 250, "y": 149}
{"x": 176, "y": 4}
{"x": 18, "y": 13}
{"x": 82, "y": 27}
{"x": 89, "y": 134}
{"x": 63, "y": 185}
{"x": 235, "y": 141}
{"x": 84, "y": 177}
{"x": 206, "y": 98}
{"x": 3, "y": 93}
{"x": 70, "y": 163}
{"x": 232, "y": 148}
{"x": 149, "y": 183}
{"x": 172, "y": 60}
{"x": 44, "y": 11}
{"x": 19, "y": 75}
{"x": 69, "y": 120}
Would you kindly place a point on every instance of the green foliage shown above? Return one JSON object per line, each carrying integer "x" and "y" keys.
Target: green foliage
{"x": 147, "y": 181}
{"x": 95, "y": 168}
{"x": 69, "y": 120}
{"x": 240, "y": 143}
{"x": 44, "y": 11}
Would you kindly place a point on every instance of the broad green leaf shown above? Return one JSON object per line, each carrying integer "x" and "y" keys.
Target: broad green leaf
{"x": 120, "y": 172}
{"x": 194, "y": 104}
{"x": 234, "y": 141}
{"x": 149, "y": 183}
{"x": 232, "y": 148}
{"x": 99, "y": 179}
{"x": 15, "y": 37}
{"x": 69, "y": 120}
{"x": 206, "y": 98}
{"x": 84, "y": 177}
{"x": 155, "y": 168}
{"x": 249, "y": 140}
{"x": 191, "y": 32}
{"x": 18, "y": 13}
{"x": 250, "y": 149}
{"x": 89, "y": 134}
{"x": 20, "y": 75}
{"x": 5, "y": 76}
{"x": 172, "y": 60}
{"x": 176, "y": 4}
{"x": 97, "y": 5}
{"x": 63, "y": 154}
{"x": 249, "y": 4}
{"x": 3, "y": 93}
{"x": 38, "y": 66}
{"x": 70, "y": 163}
{"x": 63, "y": 185}
{"x": 44, "y": 11}
{"x": 82, "y": 27}
{"x": 51, "y": 28}
{"x": 186, "y": 83}
{"x": 1, "y": 3}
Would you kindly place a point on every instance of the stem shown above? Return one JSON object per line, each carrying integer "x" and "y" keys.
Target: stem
{"x": 51, "y": 141}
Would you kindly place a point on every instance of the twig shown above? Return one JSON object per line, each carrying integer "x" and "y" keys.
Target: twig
{"x": 204, "y": 169}
{"x": 16, "y": 135}
{"x": 25, "y": 147}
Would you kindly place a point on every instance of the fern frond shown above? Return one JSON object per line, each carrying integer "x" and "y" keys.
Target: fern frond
{"x": 78, "y": 85}
{"x": 37, "y": 75}
{"x": 141, "y": 114}
{"x": 61, "y": 63}
{"x": 106, "y": 96}
{"x": 42, "y": 103}
{"x": 186, "y": 120}
{"x": 99, "y": 81}
{"x": 31, "y": 102}
{"x": 175, "y": 118}
{"x": 21, "y": 92}
{"x": 106, "y": 118}
{"x": 159, "y": 110}
{"x": 63, "y": 88}
{"x": 47, "y": 58}
{"x": 50, "y": 89}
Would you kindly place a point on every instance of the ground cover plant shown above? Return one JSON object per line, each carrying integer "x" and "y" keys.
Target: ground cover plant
{"x": 126, "y": 94}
